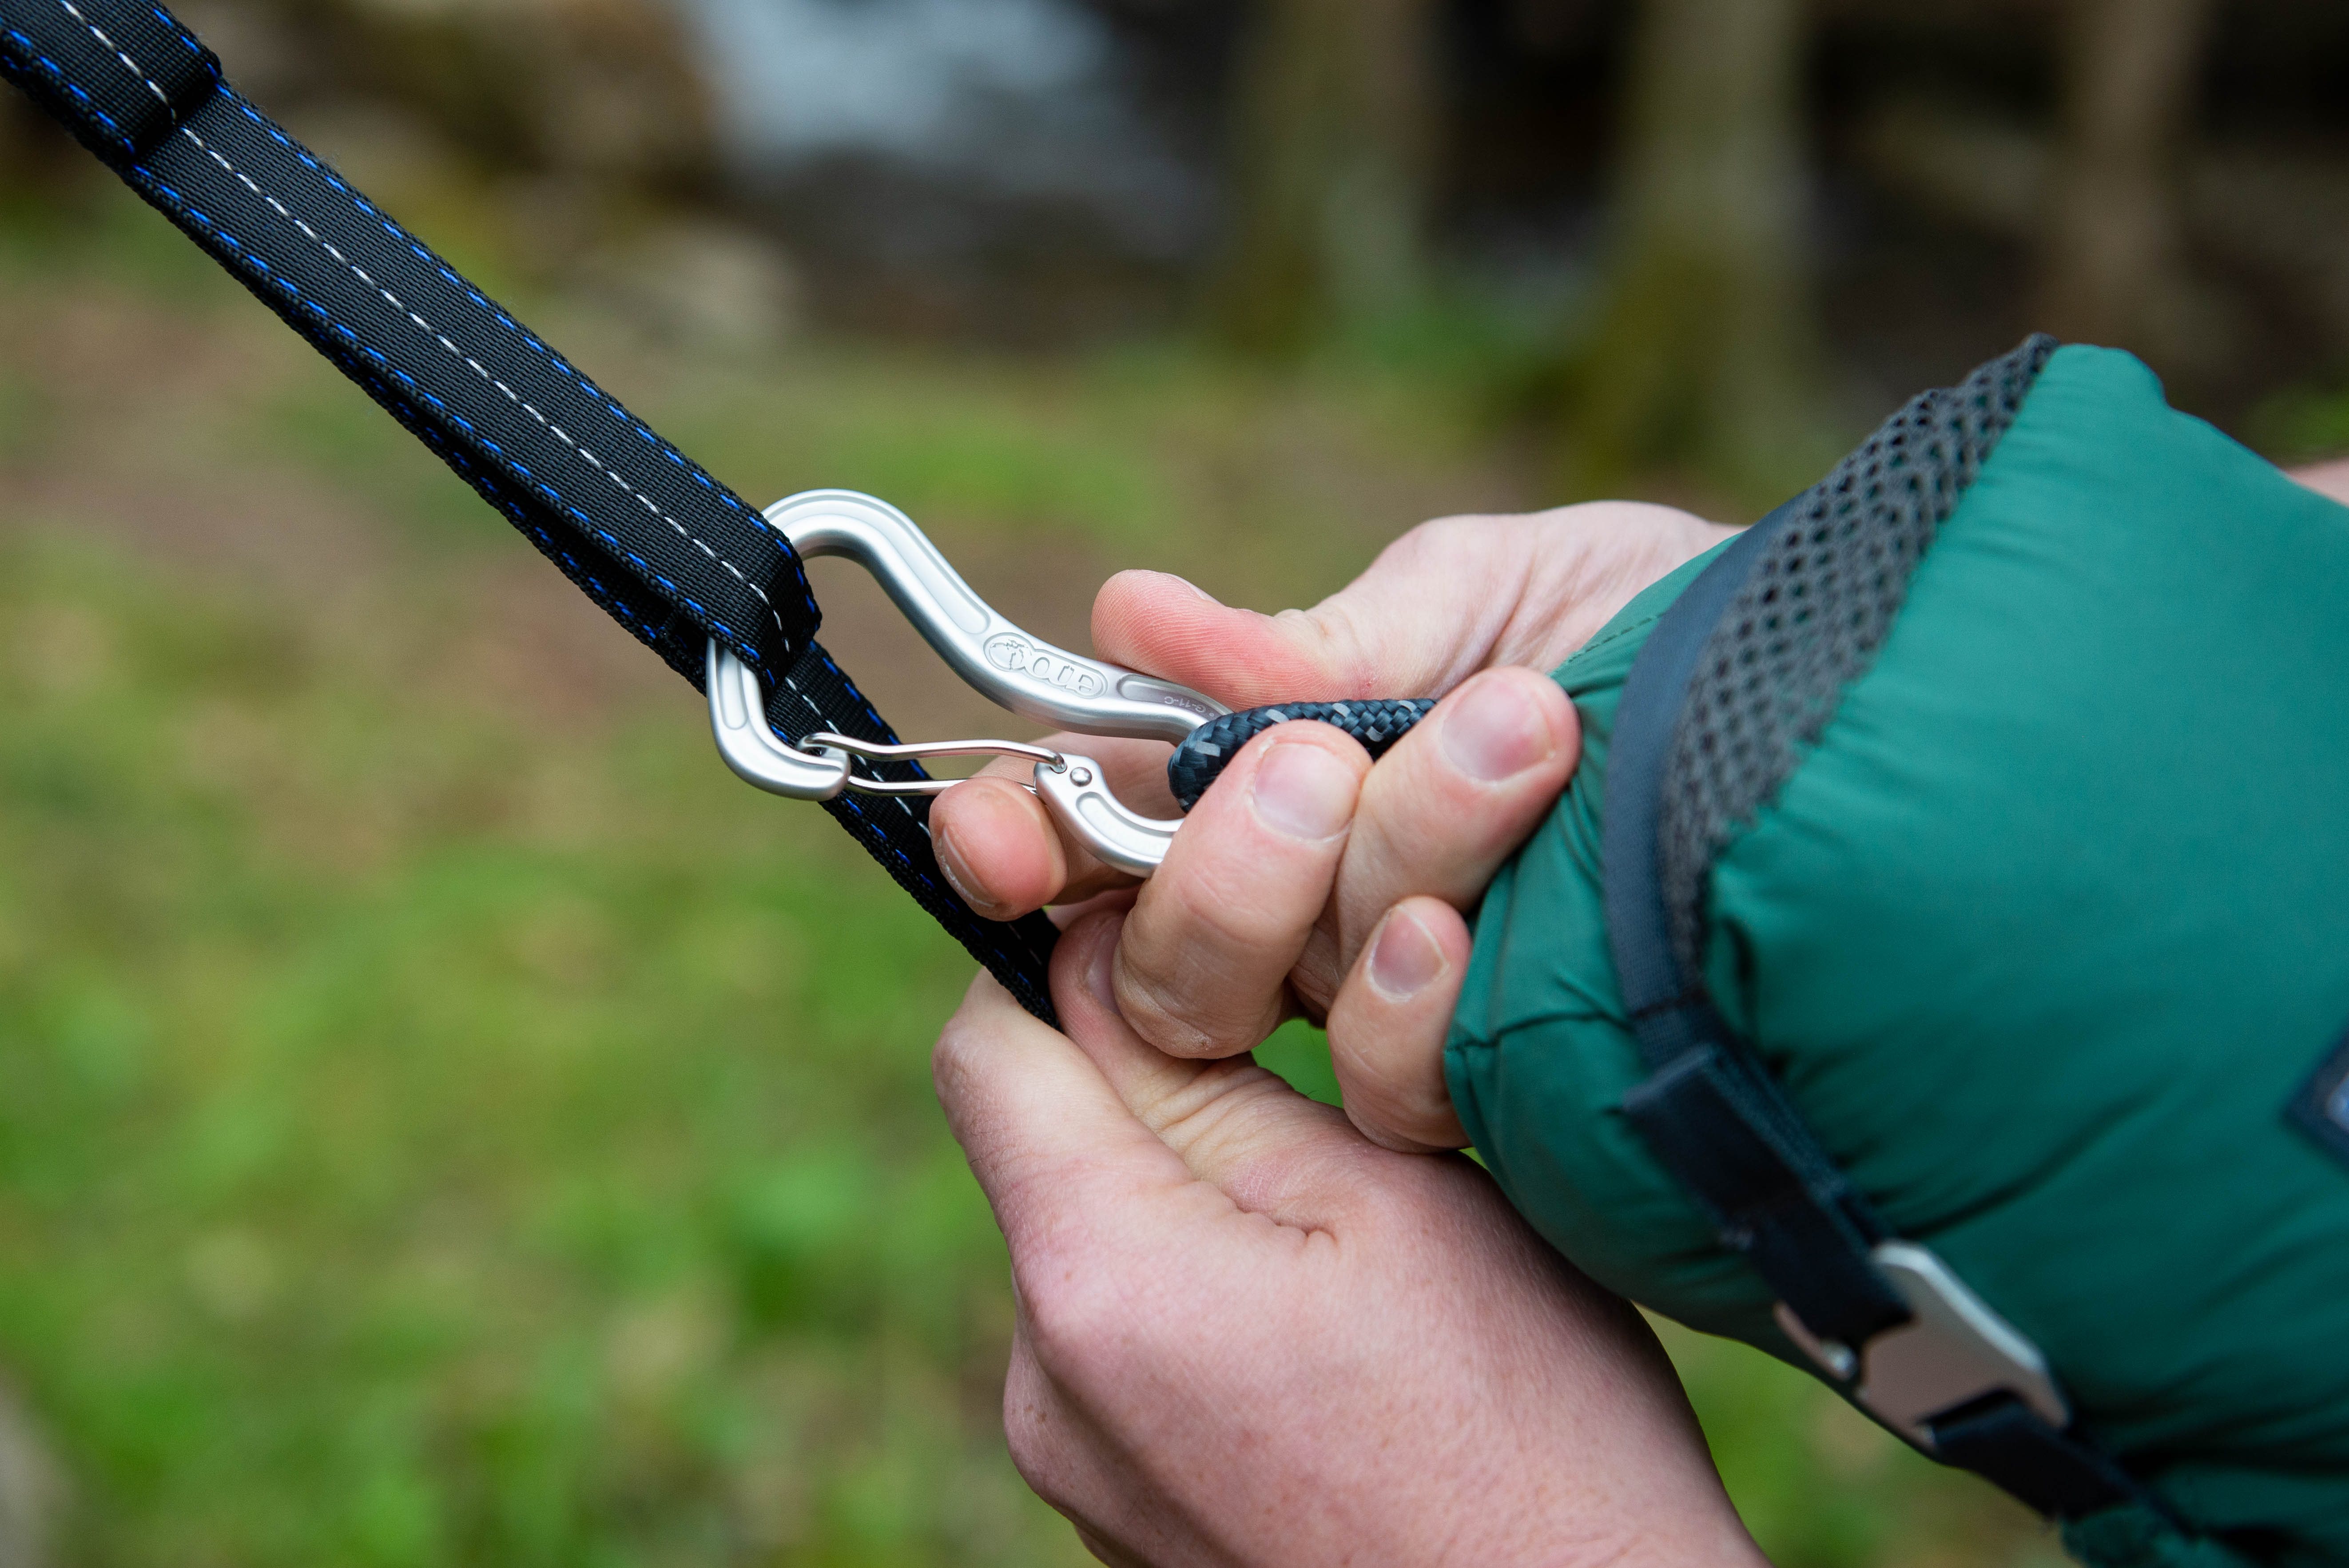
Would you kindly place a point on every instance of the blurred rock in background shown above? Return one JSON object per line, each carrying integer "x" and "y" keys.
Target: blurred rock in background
{"x": 1016, "y": 169}
{"x": 573, "y": 141}
{"x": 701, "y": 284}
{"x": 603, "y": 94}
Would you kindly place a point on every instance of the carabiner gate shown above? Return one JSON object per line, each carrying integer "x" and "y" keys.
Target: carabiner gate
{"x": 1016, "y": 671}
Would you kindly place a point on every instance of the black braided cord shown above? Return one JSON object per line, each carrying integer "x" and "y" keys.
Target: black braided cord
{"x": 1377, "y": 723}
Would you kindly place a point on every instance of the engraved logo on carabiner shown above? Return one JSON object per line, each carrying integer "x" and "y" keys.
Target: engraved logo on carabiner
{"x": 1020, "y": 656}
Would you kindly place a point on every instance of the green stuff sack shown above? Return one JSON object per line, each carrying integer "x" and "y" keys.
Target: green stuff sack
{"x": 2001, "y": 824}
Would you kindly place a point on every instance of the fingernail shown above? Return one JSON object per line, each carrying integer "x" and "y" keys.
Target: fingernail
{"x": 1303, "y": 793}
{"x": 1101, "y": 974}
{"x": 1183, "y": 583}
{"x": 1403, "y": 958}
{"x": 957, "y": 872}
{"x": 1497, "y": 732}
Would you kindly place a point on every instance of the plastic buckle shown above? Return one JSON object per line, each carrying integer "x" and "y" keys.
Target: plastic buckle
{"x": 1953, "y": 1351}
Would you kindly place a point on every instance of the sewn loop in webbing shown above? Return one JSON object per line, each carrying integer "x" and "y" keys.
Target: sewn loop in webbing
{"x": 121, "y": 78}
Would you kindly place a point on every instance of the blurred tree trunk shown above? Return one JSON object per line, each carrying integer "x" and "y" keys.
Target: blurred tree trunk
{"x": 1334, "y": 144}
{"x": 16, "y": 142}
{"x": 1701, "y": 354}
{"x": 2113, "y": 270}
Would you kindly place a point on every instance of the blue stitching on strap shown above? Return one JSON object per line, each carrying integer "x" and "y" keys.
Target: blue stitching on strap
{"x": 530, "y": 339}
{"x": 56, "y": 76}
{"x": 280, "y": 284}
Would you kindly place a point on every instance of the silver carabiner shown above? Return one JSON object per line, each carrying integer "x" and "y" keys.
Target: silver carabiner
{"x": 1015, "y": 670}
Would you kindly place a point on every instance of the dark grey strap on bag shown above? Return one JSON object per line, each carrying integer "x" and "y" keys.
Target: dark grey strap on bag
{"x": 1737, "y": 679}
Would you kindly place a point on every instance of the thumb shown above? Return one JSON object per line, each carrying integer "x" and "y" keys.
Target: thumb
{"x": 1423, "y": 617}
{"x": 1233, "y": 1125}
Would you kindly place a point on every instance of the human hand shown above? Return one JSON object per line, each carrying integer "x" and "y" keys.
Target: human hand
{"x": 1445, "y": 601}
{"x": 1302, "y": 859}
{"x": 1246, "y": 1334}
{"x": 2330, "y": 480}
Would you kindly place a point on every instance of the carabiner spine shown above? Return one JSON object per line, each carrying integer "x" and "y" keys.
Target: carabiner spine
{"x": 1011, "y": 667}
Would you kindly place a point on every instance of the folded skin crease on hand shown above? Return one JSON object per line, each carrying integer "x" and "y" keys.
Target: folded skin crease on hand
{"x": 1246, "y": 1334}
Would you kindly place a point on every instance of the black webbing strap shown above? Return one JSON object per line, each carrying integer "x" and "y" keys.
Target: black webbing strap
{"x": 669, "y": 552}
{"x": 1722, "y": 1127}
{"x": 2063, "y": 1475}
{"x": 1716, "y": 1119}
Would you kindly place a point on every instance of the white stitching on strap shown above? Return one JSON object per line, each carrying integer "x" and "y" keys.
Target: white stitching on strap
{"x": 128, "y": 64}
{"x": 825, "y": 720}
{"x": 467, "y": 360}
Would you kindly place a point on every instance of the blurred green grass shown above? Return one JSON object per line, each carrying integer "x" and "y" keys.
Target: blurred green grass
{"x": 417, "y": 1146}
{"x": 2307, "y": 424}
{"x": 440, "y": 1125}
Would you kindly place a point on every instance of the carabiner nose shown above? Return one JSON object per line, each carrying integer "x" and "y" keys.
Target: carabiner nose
{"x": 1079, "y": 799}
{"x": 1023, "y": 673}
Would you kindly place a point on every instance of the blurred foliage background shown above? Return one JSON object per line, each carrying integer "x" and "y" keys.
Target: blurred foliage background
{"x": 443, "y": 1118}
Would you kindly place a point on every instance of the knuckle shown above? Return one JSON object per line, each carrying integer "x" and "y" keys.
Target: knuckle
{"x": 1441, "y": 544}
{"x": 1389, "y": 1057}
{"x": 1204, "y": 961}
{"x": 1438, "y": 537}
{"x": 1240, "y": 889}
{"x": 1319, "y": 972}
{"x": 1148, "y": 1013}
{"x": 1409, "y": 1112}
{"x": 1038, "y": 1439}
{"x": 1235, "y": 904}
{"x": 1390, "y": 1126}
{"x": 1167, "y": 1015}
{"x": 1344, "y": 646}
{"x": 1073, "y": 1316}
{"x": 952, "y": 1058}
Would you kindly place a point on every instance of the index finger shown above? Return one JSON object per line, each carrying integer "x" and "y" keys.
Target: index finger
{"x": 1001, "y": 851}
